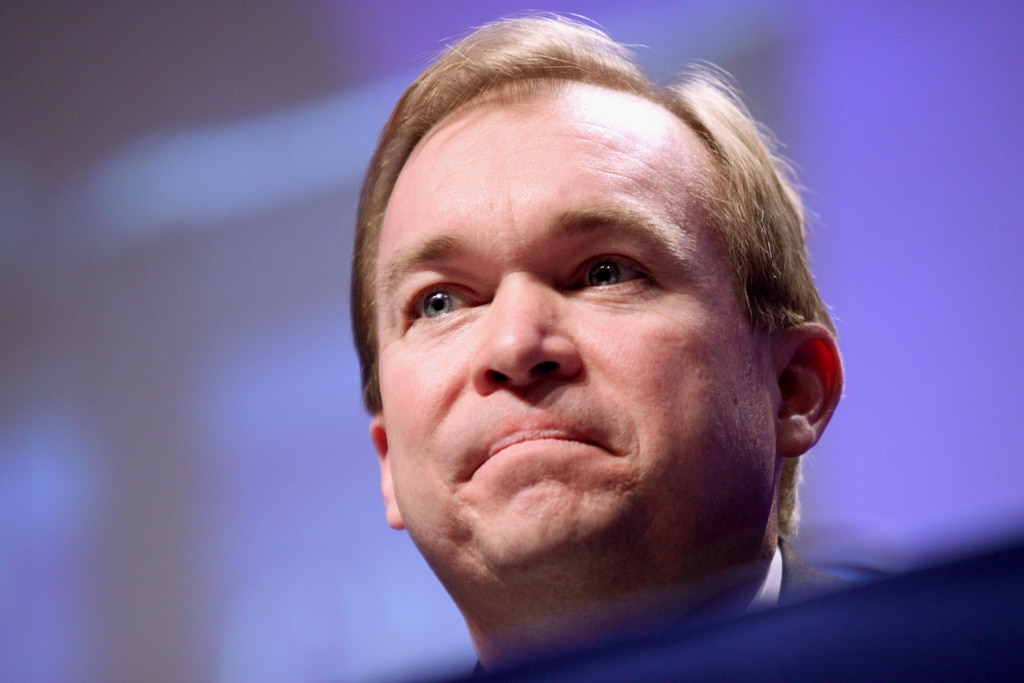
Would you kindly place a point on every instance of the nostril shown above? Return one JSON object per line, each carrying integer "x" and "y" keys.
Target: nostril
{"x": 497, "y": 377}
{"x": 545, "y": 368}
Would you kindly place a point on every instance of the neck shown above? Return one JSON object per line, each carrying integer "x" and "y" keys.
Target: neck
{"x": 529, "y": 632}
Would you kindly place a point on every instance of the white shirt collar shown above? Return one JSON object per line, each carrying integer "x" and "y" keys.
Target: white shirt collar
{"x": 768, "y": 594}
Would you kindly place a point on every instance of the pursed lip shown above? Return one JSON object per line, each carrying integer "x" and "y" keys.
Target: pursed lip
{"x": 501, "y": 439}
{"x": 526, "y": 435}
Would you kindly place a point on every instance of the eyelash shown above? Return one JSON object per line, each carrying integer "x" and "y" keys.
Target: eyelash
{"x": 636, "y": 272}
{"x": 415, "y": 307}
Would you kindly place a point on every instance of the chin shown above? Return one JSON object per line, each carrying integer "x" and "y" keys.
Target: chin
{"x": 547, "y": 528}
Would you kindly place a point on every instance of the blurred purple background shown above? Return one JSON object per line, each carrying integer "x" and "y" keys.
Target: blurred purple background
{"x": 186, "y": 488}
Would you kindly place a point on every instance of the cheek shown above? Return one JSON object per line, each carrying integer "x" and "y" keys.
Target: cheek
{"x": 695, "y": 378}
{"x": 658, "y": 359}
{"x": 419, "y": 389}
{"x": 419, "y": 384}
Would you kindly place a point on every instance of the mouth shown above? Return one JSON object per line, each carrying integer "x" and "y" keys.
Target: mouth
{"x": 535, "y": 439}
{"x": 529, "y": 436}
{"x": 536, "y": 443}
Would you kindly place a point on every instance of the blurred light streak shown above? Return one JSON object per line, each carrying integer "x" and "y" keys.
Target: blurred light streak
{"x": 196, "y": 177}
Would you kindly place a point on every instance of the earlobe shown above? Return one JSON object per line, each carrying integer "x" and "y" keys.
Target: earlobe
{"x": 379, "y": 437}
{"x": 809, "y": 372}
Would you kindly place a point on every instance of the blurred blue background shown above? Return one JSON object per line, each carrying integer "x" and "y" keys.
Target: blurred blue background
{"x": 187, "y": 491}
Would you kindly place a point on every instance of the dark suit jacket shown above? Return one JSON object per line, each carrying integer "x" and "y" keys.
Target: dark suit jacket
{"x": 958, "y": 621}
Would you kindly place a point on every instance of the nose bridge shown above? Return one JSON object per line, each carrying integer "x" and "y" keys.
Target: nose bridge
{"x": 520, "y": 314}
{"x": 523, "y": 338}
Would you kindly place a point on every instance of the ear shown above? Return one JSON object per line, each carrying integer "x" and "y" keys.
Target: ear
{"x": 809, "y": 372}
{"x": 379, "y": 437}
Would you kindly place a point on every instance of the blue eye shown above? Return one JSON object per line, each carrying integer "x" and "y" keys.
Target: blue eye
{"x": 604, "y": 273}
{"x": 437, "y": 304}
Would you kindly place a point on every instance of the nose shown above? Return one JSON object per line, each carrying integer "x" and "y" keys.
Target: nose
{"x": 523, "y": 339}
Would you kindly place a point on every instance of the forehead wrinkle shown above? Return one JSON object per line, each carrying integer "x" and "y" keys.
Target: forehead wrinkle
{"x": 435, "y": 249}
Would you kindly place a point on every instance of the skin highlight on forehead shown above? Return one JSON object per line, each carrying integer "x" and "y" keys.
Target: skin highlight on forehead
{"x": 565, "y": 110}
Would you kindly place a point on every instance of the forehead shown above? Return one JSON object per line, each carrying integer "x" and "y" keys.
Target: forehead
{"x": 522, "y": 158}
{"x": 557, "y": 109}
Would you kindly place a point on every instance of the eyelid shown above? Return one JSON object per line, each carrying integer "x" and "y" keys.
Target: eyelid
{"x": 413, "y": 308}
{"x": 622, "y": 261}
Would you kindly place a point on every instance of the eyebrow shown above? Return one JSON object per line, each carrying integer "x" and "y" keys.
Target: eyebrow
{"x": 662, "y": 236}
{"x": 440, "y": 248}
{"x": 637, "y": 223}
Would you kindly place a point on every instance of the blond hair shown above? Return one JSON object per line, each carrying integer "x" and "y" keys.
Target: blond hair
{"x": 754, "y": 205}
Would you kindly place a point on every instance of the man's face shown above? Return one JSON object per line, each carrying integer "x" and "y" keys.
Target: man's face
{"x": 570, "y": 388}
